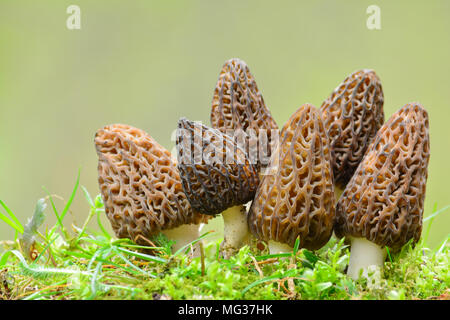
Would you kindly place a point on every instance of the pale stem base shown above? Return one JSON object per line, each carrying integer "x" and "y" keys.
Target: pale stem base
{"x": 279, "y": 247}
{"x": 235, "y": 230}
{"x": 183, "y": 235}
{"x": 367, "y": 256}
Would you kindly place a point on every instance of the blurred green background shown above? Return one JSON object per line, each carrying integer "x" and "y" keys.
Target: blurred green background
{"x": 148, "y": 63}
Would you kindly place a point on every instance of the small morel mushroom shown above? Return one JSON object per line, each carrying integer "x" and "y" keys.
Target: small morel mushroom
{"x": 382, "y": 205}
{"x": 238, "y": 110}
{"x": 141, "y": 188}
{"x": 217, "y": 178}
{"x": 298, "y": 200}
{"x": 352, "y": 115}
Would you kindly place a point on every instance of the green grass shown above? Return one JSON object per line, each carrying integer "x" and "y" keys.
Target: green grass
{"x": 93, "y": 264}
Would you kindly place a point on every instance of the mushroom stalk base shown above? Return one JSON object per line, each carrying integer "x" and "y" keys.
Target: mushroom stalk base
{"x": 235, "y": 230}
{"x": 279, "y": 247}
{"x": 367, "y": 256}
{"x": 183, "y": 235}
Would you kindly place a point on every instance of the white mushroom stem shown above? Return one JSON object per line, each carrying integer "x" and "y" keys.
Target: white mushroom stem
{"x": 235, "y": 229}
{"x": 279, "y": 247}
{"x": 367, "y": 256}
{"x": 183, "y": 235}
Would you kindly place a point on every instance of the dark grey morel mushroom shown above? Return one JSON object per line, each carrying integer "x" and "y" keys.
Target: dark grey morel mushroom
{"x": 141, "y": 187}
{"x": 382, "y": 205}
{"x": 352, "y": 115}
{"x": 217, "y": 177}
{"x": 238, "y": 110}
{"x": 298, "y": 200}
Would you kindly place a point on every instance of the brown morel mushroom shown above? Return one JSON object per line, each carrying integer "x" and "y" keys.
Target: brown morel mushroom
{"x": 217, "y": 177}
{"x": 352, "y": 115}
{"x": 141, "y": 188}
{"x": 238, "y": 110}
{"x": 298, "y": 200}
{"x": 382, "y": 205}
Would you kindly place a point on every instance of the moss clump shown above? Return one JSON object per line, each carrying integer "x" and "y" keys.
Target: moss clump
{"x": 95, "y": 265}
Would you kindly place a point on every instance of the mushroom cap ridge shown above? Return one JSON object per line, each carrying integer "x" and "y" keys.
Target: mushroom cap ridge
{"x": 352, "y": 115}
{"x": 384, "y": 200}
{"x": 139, "y": 184}
{"x": 298, "y": 199}
{"x": 212, "y": 185}
{"x": 237, "y": 104}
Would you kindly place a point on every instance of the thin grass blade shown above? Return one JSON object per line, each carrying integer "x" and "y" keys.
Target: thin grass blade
{"x": 10, "y": 223}
{"x": 143, "y": 255}
{"x": 187, "y": 246}
{"x": 13, "y": 216}
{"x": 72, "y": 196}
{"x": 436, "y": 213}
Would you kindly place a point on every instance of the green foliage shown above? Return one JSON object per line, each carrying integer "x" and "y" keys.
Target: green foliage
{"x": 96, "y": 265}
{"x": 12, "y": 221}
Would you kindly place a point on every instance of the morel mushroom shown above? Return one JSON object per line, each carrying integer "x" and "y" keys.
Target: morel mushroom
{"x": 352, "y": 115}
{"x": 238, "y": 110}
{"x": 298, "y": 200}
{"x": 382, "y": 205}
{"x": 141, "y": 188}
{"x": 217, "y": 177}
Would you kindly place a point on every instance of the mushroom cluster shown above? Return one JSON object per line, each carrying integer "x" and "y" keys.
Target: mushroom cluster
{"x": 335, "y": 168}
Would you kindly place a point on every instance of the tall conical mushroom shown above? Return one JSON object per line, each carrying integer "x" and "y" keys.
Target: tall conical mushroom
{"x": 382, "y": 205}
{"x": 238, "y": 110}
{"x": 217, "y": 177}
{"x": 352, "y": 115}
{"x": 141, "y": 187}
{"x": 298, "y": 200}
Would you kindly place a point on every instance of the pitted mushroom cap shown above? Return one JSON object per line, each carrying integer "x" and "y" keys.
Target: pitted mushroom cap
{"x": 215, "y": 173}
{"x": 298, "y": 200}
{"x": 140, "y": 184}
{"x": 238, "y": 105}
{"x": 352, "y": 115}
{"x": 384, "y": 200}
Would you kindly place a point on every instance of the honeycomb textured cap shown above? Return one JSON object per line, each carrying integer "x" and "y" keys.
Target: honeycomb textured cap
{"x": 238, "y": 105}
{"x": 352, "y": 115}
{"x": 298, "y": 200}
{"x": 383, "y": 201}
{"x": 215, "y": 173}
{"x": 140, "y": 184}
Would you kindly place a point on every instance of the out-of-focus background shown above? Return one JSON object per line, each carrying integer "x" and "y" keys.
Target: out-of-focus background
{"x": 148, "y": 63}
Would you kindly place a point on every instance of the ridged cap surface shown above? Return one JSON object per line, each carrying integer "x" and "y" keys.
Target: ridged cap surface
{"x": 238, "y": 105}
{"x": 384, "y": 200}
{"x": 352, "y": 115}
{"x": 298, "y": 199}
{"x": 139, "y": 184}
{"x": 215, "y": 173}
